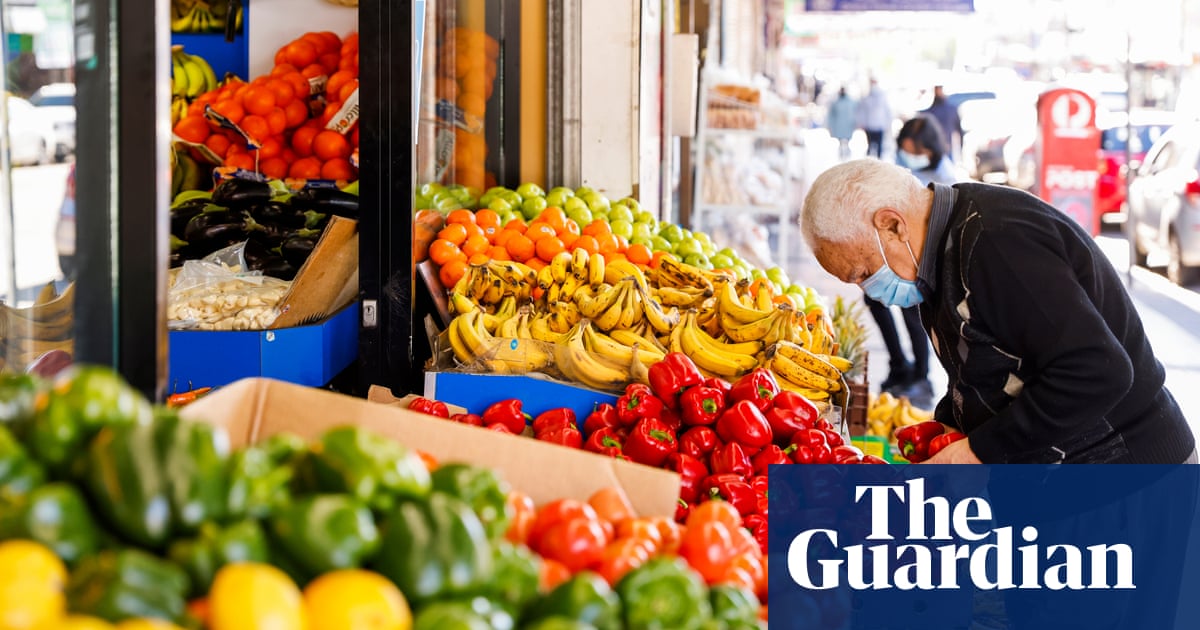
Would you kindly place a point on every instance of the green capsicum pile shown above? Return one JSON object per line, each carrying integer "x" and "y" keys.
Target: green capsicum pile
{"x": 146, "y": 510}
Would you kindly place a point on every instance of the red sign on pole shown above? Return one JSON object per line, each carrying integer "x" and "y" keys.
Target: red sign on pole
{"x": 1066, "y": 149}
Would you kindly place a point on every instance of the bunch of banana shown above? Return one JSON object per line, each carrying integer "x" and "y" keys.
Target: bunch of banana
{"x": 569, "y": 274}
{"x": 191, "y": 76}
{"x": 29, "y": 332}
{"x": 198, "y": 16}
{"x": 591, "y": 369}
{"x": 672, "y": 273}
{"x": 809, "y": 374}
{"x": 620, "y": 353}
{"x": 488, "y": 283}
{"x": 888, "y": 413}
{"x": 474, "y": 345}
{"x": 727, "y": 360}
{"x": 626, "y": 305}
{"x": 186, "y": 173}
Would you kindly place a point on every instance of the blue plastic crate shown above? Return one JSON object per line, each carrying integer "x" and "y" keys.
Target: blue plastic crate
{"x": 476, "y": 392}
{"x": 223, "y": 56}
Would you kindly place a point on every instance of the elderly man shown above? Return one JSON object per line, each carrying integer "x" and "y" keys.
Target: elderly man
{"x": 1047, "y": 358}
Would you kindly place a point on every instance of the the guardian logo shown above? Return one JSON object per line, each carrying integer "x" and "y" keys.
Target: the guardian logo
{"x": 985, "y": 558}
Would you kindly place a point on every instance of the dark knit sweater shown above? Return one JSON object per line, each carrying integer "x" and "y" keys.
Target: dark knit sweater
{"x": 1047, "y": 359}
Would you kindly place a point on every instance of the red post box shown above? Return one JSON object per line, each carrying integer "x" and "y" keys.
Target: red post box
{"x": 1067, "y": 143}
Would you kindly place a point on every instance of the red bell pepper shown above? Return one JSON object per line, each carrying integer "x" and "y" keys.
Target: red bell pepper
{"x": 942, "y": 441}
{"x": 733, "y": 489}
{"x": 506, "y": 412}
{"x": 871, "y": 459}
{"x": 564, "y": 435}
{"x": 730, "y": 458}
{"x": 785, "y": 423}
{"x": 699, "y": 442}
{"x": 682, "y": 510}
{"x": 846, "y": 454}
{"x": 812, "y": 447}
{"x": 468, "y": 418}
{"x": 500, "y": 427}
{"x": 758, "y": 387}
{"x": 757, "y": 524}
{"x": 761, "y": 485}
{"x": 650, "y": 442}
{"x": 637, "y": 403}
{"x": 605, "y": 442}
{"x": 672, "y": 420}
{"x": 554, "y": 419}
{"x": 718, "y": 383}
{"x": 772, "y": 454}
{"x": 702, "y": 405}
{"x": 834, "y": 438}
{"x": 913, "y": 440}
{"x": 801, "y": 406}
{"x": 691, "y": 472}
{"x": 669, "y": 377}
{"x": 745, "y": 424}
{"x": 603, "y": 415}
{"x": 428, "y": 406}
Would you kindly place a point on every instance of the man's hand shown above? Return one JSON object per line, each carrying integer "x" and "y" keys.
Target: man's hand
{"x": 955, "y": 453}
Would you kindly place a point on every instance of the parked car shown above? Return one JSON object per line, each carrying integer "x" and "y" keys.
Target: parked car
{"x": 58, "y": 101}
{"x": 31, "y": 137}
{"x": 1164, "y": 203}
{"x": 64, "y": 231}
{"x": 1147, "y": 126}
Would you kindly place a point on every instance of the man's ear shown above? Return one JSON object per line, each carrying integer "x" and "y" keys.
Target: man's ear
{"x": 890, "y": 220}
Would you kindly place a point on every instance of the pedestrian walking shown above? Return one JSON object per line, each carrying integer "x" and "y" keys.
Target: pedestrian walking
{"x": 842, "y": 122}
{"x": 874, "y": 118}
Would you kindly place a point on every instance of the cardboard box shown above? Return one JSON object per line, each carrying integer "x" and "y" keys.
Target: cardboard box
{"x": 477, "y": 391}
{"x": 305, "y": 355}
{"x": 253, "y": 409}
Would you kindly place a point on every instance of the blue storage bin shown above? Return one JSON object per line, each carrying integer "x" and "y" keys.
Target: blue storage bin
{"x": 476, "y": 392}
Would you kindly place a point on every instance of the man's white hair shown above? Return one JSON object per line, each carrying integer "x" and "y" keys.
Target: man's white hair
{"x": 839, "y": 206}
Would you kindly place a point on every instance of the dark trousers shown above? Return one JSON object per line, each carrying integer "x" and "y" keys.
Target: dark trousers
{"x": 874, "y": 142}
{"x": 891, "y": 337}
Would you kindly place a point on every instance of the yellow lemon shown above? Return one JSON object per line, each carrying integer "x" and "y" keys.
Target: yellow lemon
{"x": 253, "y": 596}
{"x": 24, "y": 606}
{"x": 146, "y": 624}
{"x": 354, "y": 599}
{"x": 31, "y": 563}
{"x": 79, "y": 622}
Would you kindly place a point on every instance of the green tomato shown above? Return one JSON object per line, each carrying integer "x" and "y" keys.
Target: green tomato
{"x": 582, "y": 216}
{"x": 671, "y": 232}
{"x": 529, "y": 189}
{"x": 660, "y": 244}
{"x": 620, "y": 211}
{"x": 643, "y": 230}
{"x": 621, "y": 227}
{"x": 641, "y": 216}
{"x": 721, "y": 261}
{"x": 698, "y": 260}
{"x": 532, "y": 207}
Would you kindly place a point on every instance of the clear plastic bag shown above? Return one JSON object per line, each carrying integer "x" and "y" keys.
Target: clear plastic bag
{"x": 213, "y": 294}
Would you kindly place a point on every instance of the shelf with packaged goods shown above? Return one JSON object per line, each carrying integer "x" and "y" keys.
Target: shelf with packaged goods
{"x": 782, "y": 135}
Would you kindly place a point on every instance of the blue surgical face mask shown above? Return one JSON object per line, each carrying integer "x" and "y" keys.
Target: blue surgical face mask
{"x": 889, "y": 289}
{"x": 912, "y": 161}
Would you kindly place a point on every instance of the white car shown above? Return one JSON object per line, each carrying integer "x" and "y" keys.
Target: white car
{"x": 1164, "y": 203}
{"x": 57, "y": 100}
{"x": 31, "y": 137}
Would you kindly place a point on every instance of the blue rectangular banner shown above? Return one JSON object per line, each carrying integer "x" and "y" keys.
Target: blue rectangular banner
{"x": 984, "y": 547}
{"x": 958, "y": 6}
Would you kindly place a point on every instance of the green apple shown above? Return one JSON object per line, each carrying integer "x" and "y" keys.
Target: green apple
{"x": 778, "y": 276}
{"x": 643, "y": 230}
{"x": 721, "y": 261}
{"x": 486, "y": 198}
{"x": 758, "y": 274}
{"x": 698, "y": 260}
{"x": 708, "y": 248}
{"x": 598, "y": 203}
{"x": 579, "y": 192}
{"x": 431, "y": 189}
{"x": 500, "y": 204}
{"x": 506, "y": 216}
{"x": 421, "y": 202}
{"x": 643, "y": 240}
{"x": 558, "y": 198}
{"x": 621, "y": 227}
{"x": 532, "y": 207}
{"x": 573, "y": 204}
{"x": 688, "y": 247}
{"x": 671, "y": 232}
{"x": 632, "y": 203}
{"x": 529, "y": 189}
{"x": 511, "y": 197}
{"x": 641, "y": 216}
{"x": 621, "y": 212}
{"x": 660, "y": 244}
{"x": 446, "y": 203}
{"x": 581, "y": 215}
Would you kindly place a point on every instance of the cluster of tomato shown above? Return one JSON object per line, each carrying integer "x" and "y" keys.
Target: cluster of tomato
{"x": 605, "y": 536}
{"x": 284, "y": 117}
{"x": 476, "y": 237}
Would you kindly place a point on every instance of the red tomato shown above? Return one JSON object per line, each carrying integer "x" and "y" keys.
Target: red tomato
{"x": 620, "y": 558}
{"x": 554, "y": 513}
{"x": 523, "y": 513}
{"x": 578, "y": 543}
{"x": 611, "y": 504}
{"x": 718, "y": 511}
{"x": 709, "y": 547}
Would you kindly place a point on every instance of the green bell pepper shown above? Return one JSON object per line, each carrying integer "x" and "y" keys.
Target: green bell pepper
{"x": 517, "y": 575}
{"x": 83, "y": 400}
{"x": 19, "y": 473}
{"x": 367, "y": 466}
{"x": 585, "y": 597}
{"x": 283, "y": 447}
{"x": 733, "y": 605}
{"x": 558, "y": 623}
{"x": 257, "y": 483}
{"x": 194, "y": 459}
{"x": 55, "y": 515}
{"x": 482, "y": 489}
{"x": 128, "y": 485}
{"x": 216, "y": 547}
{"x": 435, "y": 549}
{"x": 18, "y": 395}
{"x": 497, "y": 615}
{"x": 325, "y": 532}
{"x": 664, "y": 594}
{"x": 118, "y": 585}
{"x": 450, "y": 616}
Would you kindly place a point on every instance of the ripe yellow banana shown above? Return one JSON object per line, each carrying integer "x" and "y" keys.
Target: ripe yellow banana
{"x": 808, "y": 360}
{"x": 46, "y": 295}
{"x": 708, "y": 354}
{"x": 617, "y": 353}
{"x": 632, "y": 338}
{"x": 61, "y": 306}
{"x": 752, "y": 331}
{"x": 577, "y": 364}
{"x": 611, "y": 316}
{"x": 579, "y": 265}
{"x": 814, "y": 395}
{"x": 632, "y": 311}
{"x": 595, "y": 306}
{"x": 560, "y": 266}
{"x": 802, "y": 376}
{"x": 539, "y": 329}
{"x": 672, "y": 272}
{"x": 660, "y": 319}
{"x": 596, "y": 271}
{"x": 733, "y": 312}
{"x": 618, "y": 270}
